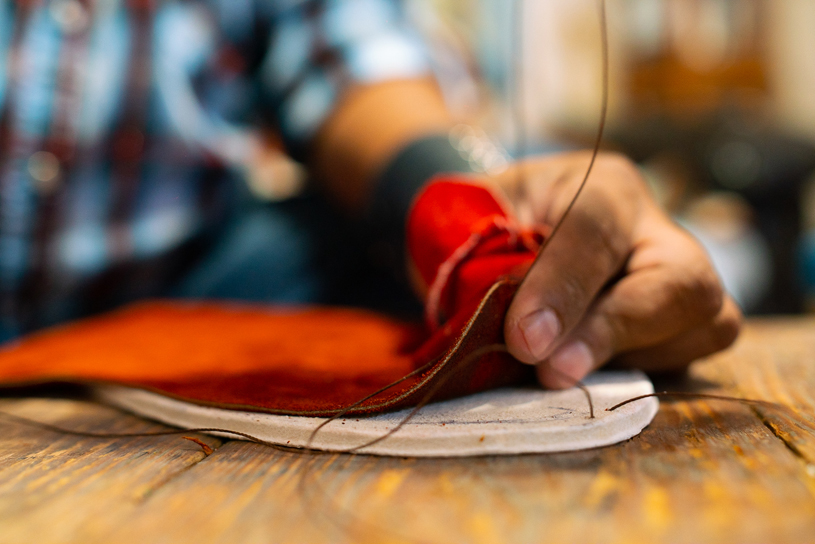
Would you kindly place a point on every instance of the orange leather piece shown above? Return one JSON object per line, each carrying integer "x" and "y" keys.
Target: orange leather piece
{"x": 311, "y": 361}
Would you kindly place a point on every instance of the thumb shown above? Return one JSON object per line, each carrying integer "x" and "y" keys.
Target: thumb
{"x": 560, "y": 288}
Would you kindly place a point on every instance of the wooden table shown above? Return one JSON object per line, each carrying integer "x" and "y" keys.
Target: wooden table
{"x": 703, "y": 471}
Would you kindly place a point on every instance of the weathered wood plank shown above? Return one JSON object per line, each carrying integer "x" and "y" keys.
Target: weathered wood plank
{"x": 54, "y": 487}
{"x": 702, "y": 472}
{"x": 698, "y": 474}
{"x": 774, "y": 361}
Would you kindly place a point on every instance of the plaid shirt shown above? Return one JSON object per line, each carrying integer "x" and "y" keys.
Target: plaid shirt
{"x": 123, "y": 124}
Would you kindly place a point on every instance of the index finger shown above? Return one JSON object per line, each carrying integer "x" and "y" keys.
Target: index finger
{"x": 590, "y": 248}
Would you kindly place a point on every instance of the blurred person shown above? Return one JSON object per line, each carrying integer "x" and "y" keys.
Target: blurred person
{"x": 127, "y": 128}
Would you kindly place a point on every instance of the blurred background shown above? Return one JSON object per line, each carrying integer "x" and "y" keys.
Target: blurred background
{"x": 715, "y": 100}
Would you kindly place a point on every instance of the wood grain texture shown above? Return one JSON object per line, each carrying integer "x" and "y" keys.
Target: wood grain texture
{"x": 702, "y": 472}
{"x": 775, "y": 361}
{"x": 54, "y": 488}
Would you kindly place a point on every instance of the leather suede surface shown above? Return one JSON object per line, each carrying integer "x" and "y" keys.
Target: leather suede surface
{"x": 313, "y": 360}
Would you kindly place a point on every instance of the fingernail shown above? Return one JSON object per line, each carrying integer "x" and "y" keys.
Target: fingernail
{"x": 571, "y": 363}
{"x": 539, "y": 330}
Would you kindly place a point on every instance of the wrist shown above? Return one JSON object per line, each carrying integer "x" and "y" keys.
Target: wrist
{"x": 464, "y": 149}
{"x": 395, "y": 188}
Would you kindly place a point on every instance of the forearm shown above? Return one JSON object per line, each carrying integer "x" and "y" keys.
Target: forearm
{"x": 370, "y": 126}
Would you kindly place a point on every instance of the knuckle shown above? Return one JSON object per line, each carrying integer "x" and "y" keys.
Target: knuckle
{"x": 708, "y": 294}
{"x": 615, "y": 167}
{"x": 614, "y": 159}
{"x": 697, "y": 294}
{"x": 607, "y": 157}
{"x": 574, "y": 294}
{"x": 611, "y": 245}
{"x": 604, "y": 237}
{"x": 624, "y": 170}
{"x": 727, "y": 329}
{"x": 618, "y": 332}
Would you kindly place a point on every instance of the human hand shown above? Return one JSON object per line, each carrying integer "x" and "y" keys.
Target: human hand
{"x": 619, "y": 279}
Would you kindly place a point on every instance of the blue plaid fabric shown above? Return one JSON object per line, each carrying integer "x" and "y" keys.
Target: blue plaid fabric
{"x": 124, "y": 125}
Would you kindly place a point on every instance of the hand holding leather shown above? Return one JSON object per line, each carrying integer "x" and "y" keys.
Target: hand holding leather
{"x": 619, "y": 280}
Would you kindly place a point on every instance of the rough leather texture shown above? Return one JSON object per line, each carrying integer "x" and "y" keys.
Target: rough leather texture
{"x": 318, "y": 360}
